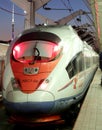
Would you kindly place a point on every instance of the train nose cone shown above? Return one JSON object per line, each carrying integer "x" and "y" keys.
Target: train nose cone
{"x": 39, "y": 102}
{"x": 41, "y": 96}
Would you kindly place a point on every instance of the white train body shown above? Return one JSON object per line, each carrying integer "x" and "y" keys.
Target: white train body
{"x": 47, "y": 69}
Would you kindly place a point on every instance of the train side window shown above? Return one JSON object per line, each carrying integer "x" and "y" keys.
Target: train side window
{"x": 80, "y": 62}
{"x": 87, "y": 62}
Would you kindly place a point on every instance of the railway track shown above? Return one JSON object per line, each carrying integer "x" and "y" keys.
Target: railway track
{"x": 66, "y": 124}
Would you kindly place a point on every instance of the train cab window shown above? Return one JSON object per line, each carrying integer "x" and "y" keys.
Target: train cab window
{"x": 39, "y": 50}
{"x": 72, "y": 68}
{"x": 76, "y": 65}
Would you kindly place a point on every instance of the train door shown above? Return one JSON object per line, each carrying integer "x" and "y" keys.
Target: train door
{"x": 80, "y": 68}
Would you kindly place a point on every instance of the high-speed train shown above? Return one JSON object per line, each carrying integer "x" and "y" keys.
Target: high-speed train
{"x": 47, "y": 69}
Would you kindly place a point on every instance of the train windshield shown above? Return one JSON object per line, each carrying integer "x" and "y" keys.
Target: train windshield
{"x": 35, "y": 50}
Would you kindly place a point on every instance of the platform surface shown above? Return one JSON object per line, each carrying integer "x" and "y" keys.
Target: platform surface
{"x": 90, "y": 115}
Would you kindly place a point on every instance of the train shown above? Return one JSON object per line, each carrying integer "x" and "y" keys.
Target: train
{"x": 47, "y": 69}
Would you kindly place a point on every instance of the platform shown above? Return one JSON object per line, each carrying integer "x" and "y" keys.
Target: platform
{"x": 90, "y": 115}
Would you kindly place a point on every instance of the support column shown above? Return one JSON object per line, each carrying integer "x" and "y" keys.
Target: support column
{"x": 32, "y": 13}
{"x": 30, "y": 18}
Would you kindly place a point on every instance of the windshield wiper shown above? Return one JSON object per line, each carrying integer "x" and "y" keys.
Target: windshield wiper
{"x": 36, "y": 56}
